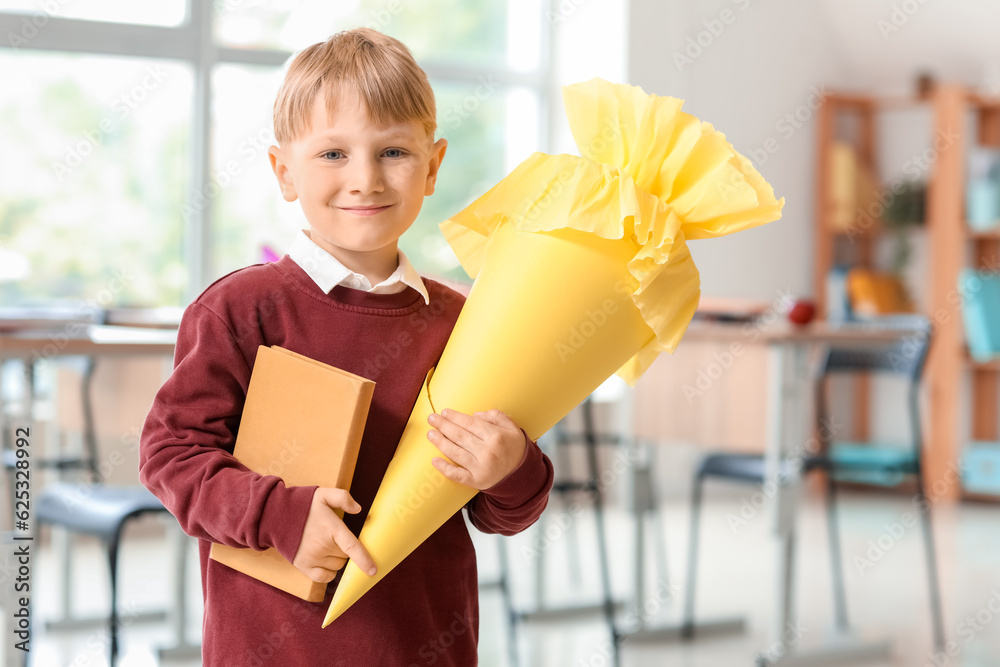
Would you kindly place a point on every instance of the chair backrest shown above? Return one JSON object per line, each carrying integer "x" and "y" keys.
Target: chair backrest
{"x": 905, "y": 357}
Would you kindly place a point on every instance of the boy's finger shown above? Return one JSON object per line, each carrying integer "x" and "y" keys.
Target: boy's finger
{"x": 450, "y": 429}
{"x": 332, "y": 563}
{"x": 339, "y": 499}
{"x": 453, "y": 472}
{"x": 465, "y": 422}
{"x": 353, "y": 548}
{"x": 320, "y": 575}
{"x": 453, "y": 451}
{"x": 498, "y": 418}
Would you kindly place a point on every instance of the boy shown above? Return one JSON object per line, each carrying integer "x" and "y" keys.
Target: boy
{"x": 354, "y": 122}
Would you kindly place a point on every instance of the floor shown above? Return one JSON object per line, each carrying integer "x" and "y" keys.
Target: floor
{"x": 886, "y": 587}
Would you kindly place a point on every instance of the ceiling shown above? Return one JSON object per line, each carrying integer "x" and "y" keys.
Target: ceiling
{"x": 883, "y": 45}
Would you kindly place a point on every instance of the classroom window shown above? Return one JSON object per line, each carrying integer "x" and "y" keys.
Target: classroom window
{"x": 94, "y": 174}
{"x": 161, "y": 12}
{"x": 134, "y": 204}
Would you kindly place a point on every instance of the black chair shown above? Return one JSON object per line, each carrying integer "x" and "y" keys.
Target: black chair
{"x": 867, "y": 463}
{"x": 90, "y": 507}
{"x": 590, "y": 487}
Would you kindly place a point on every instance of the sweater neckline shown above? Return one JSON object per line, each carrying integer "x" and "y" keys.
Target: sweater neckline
{"x": 347, "y": 296}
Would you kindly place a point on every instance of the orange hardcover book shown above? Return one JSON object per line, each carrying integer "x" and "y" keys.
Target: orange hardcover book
{"x": 302, "y": 421}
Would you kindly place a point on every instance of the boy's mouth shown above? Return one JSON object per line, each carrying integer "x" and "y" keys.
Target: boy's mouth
{"x": 365, "y": 210}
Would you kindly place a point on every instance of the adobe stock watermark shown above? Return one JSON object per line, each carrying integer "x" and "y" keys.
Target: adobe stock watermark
{"x": 893, "y": 532}
{"x": 271, "y": 645}
{"x": 253, "y": 145}
{"x": 913, "y": 169}
{"x": 723, "y": 361}
{"x": 32, "y": 25}
{"x": 420, "y": 494}
{"x": 563, "y": 10}
{"x": 223, "y": 6}
{"x": 968, "y": 629}
{"x": 128, "y": 444}
{"x": 790, "y": 466}
{"x": 123, "y": 107}
{"x": 634, "y": 620}
{"x": 98, "y": 643}
{"x": 609, "y": 134}
{"x": 468, "y": 105}
{"x": 696, "y": 45}
{"x": 555, "y": 527}
{"x": 90, "y": 311}
{"x": 431, "y": 651}
{"x": 900, "y": 15}
{"x": 381, "y": 18}
{"x": 588, "y": 325}
{"x": 791, "y": 636}
{"x": 790, "y": 123}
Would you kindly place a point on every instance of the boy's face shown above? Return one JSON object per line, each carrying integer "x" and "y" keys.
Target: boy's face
{"x": 360, "y": 186}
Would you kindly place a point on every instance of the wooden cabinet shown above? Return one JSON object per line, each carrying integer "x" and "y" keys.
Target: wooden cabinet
{"x": 960, "y": 119}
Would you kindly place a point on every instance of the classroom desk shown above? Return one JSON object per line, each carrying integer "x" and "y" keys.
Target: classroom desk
{"x": 789, "y": 383}
{"x": 37, "y": 338}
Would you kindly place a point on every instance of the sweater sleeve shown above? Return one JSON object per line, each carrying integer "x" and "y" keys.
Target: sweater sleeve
{"x": 516, "y": 501}
{"x": 185, "y": 454}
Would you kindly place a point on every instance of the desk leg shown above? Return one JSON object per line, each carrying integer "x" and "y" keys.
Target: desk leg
{"x": 780, "y": 393}
{"x": 788, "y": 383}
{"x": 177, "y": 614}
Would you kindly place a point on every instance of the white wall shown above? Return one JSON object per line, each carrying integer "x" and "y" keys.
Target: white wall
{"x": 744, "y": 78}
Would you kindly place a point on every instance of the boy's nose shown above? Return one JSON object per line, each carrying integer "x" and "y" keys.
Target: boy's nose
{"x": 365, "y": 177}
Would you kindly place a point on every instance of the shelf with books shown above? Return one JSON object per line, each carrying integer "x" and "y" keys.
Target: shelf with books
{"x": 848, "y": 237}
{"x": 984, "y": 234}
{"x": 991, "y": 365}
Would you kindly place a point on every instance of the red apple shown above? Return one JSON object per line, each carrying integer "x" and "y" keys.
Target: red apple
{"x": 802, "y": 312}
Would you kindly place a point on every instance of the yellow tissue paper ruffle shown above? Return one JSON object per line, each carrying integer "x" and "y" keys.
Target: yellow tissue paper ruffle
{"x": 646, "y": 169}
{"x": 581, "y": 270}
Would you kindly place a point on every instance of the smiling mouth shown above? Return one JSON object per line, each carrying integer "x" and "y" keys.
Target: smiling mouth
{"x": 365, "y": 210}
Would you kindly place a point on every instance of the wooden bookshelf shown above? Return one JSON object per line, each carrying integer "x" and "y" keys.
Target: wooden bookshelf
{"x": 948, "y": 238}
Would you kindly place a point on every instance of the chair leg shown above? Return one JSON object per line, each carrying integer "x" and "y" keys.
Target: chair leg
{"x": 113, "y": 618}
{"x": 508, "y": 601}
{"x": 937, "y": 619}
{"x": 836, "y": 563}
{"x": 602, "y": 547}
{"x": 687, "y": 629}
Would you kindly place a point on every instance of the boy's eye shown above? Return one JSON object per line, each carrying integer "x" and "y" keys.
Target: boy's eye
{"x": 393, "y": 152}
{"x": 333, "y": 155}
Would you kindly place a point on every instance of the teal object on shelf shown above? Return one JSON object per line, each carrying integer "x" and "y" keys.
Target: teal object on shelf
{"x": 982, "y": 204}
{"x": 981, "y": 467}
{"x": 980, "y": 292}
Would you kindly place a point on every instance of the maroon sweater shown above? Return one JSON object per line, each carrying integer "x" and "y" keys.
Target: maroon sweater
{"x": 425, "y": 612}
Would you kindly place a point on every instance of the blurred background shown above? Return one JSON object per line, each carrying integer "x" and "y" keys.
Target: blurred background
{"x": 135, "y": 140}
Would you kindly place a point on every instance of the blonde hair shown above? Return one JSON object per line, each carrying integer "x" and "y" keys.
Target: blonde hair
{"x": 379, "y": 68}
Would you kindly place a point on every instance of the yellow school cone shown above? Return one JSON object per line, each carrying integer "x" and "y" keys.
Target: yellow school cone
{"x": 581, "y": 270}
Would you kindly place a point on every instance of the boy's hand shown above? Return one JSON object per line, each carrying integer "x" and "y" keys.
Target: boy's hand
{"x": 485, "y": 446}
{"x": 326, "y": 542}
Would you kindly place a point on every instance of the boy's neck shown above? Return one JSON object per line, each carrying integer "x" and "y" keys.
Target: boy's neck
{"x": 375, "y": 265}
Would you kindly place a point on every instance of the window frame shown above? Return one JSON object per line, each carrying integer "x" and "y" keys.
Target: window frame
{"x": 192, "y": 42}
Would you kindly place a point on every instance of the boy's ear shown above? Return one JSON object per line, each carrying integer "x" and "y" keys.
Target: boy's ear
{"x": 282, "y": 173}
{"x": 437, "y": 155}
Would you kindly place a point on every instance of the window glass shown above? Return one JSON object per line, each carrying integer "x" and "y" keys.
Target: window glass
{"x": 472, "y": 118}
{"x": 248, "y": 213}
{"x": 489, "y": 129}
{"x": 96, "y": 156}
{"x": 435, "y": 30}
{"x": 161, "y": 12}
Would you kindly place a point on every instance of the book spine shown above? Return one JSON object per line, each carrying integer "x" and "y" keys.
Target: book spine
{"x": 354, "y": 436}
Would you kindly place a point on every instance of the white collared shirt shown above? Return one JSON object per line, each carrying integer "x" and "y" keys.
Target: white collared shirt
{"x": 328, "y": 272}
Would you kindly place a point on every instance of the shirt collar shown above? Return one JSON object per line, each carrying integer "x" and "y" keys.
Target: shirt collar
{"x": 328, "y": 272}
